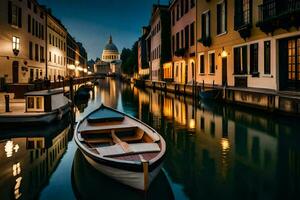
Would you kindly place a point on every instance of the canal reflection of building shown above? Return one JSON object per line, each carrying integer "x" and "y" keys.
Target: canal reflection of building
{"x": 228, "y": 144}
{"x": 28, "y": 160}
{"x": 108, "y": 91}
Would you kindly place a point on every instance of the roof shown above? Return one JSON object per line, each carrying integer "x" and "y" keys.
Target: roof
{"x": 45, "y": 92}
{"x": 110, "y": 46}
{"x": 105, "y": 115}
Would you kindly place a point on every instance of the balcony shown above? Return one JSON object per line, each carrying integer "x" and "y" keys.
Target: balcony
{"x": 243, "y": 22}
{"x": 277, "y": 14}
{"x": 206, "y": 41}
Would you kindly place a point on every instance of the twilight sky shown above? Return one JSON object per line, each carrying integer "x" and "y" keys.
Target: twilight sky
{"x": 92, "y": 21}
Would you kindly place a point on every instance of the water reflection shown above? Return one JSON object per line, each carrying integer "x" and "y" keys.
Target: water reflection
{"x": 88, "y": 183}
{"x": 29, "y": 157}
{"x": 216, "y": 151}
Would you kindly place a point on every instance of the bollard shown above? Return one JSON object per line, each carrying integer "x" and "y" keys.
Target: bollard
{"x": 7, "y": 103}
{"x": 203, "y": 85}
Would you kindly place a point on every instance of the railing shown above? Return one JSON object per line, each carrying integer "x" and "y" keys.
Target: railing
{"x": 276, "y": 8}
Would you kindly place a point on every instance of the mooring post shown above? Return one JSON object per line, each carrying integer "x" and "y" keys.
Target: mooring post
{"x": 7, "y": 103}
{"x": 71, "y": 90}
{"x": 146, "y": 174}
{"x": 213, "y": 84}
{"x": 203, "y": 85}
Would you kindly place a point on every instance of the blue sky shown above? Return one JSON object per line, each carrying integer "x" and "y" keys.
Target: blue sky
{"x": 92, "y": 21}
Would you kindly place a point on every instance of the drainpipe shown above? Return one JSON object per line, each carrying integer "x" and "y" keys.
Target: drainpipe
{"x": 46, "y": 43}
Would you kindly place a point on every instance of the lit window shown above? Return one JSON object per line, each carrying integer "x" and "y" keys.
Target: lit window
{"x": 16, "y": 43}
{"x": 30, "y": 103}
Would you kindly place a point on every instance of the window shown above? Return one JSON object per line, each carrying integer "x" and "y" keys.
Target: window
{"x": 16, "y": 43}
{"x": 182, "y": 36}
{"x": 267, "y": 57}
{"x": 206, "y": 25}
{"x": 29, "y": 23}
{"x": 192, "y": 32}
{"x": 33, "y": 27}
{"x": 186, "y": 30}
{"x": 221, "y": 18}
{"x": 201, "y": 64}
{"x": 254, "y": 58}
{"x": 50, "y": 56}
{"x": 240, "y": 60}
{"x": 31, "y": 74}
{"x": 36, "y": 74}
{"x": 177, "y": 40}
{"x": 42, "y": 54}
{"x": 192, "y": 3}
{"x": 14, "y": 15}
{"x": 187, "y": 6}
{"x": 211, "y": 62}
{"x": 30, "y": 51}
{"x": 173, "y": 17}
{"x": 177, "y": 12}
{"x": 182, "y": 8}
{"x": 30, "y": 102}
{"x": 173, "y": 44}
{"x": 54, "y": 58}
{"x": 37, "y": 52}
{"x": 29, "y": 4}
{"x": 36, "y": 29}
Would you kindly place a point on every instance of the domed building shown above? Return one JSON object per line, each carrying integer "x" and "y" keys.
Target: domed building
{"x": 110, "y": 63}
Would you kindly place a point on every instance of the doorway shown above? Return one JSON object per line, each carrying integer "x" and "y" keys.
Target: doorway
{"x": 224, "y": 71}
{"x": 15, "y": 71}
{"x": 289, "y": 61}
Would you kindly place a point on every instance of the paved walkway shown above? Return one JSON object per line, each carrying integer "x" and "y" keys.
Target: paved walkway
{"x": 16, "y": 106}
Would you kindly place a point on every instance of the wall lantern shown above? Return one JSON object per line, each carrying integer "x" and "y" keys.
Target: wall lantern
{"x": 16, "y": 45}
{"x": 224, "y": 53}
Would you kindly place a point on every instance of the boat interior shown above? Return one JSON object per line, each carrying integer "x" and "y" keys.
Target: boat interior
{"x": 122, "y": 139}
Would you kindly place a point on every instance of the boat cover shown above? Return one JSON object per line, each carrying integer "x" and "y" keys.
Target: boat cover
{"x": 105, "y": 115}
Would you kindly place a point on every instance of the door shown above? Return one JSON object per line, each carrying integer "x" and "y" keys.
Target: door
{"x": 224, "y": 71}
{"x": 290, "y": 63}
{"x": 15, "y": 71}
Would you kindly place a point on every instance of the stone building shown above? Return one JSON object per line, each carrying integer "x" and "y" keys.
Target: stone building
{"x": 23, "y": 41}
{"x": 110, "y": 63}
{"x": 143, "y": 55}
{"x": 160, "y": 48}
{"x": 183, "y": 42}
{"x": 56, "y": 48}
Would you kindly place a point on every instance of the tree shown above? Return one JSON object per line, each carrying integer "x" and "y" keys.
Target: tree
{"x": 129, "y": 59}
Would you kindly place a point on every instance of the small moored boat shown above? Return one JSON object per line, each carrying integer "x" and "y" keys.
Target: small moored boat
{"x": 121, "y": 147}
{"x": 39, "y": 107}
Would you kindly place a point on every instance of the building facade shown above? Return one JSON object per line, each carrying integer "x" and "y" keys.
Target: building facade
{"x": 249, "y": 44}
{"x": 81, "y": 69}
{"x": 72, "y": 58}
{"x": 56, "y": 48}
{"x": 160, "y": 48}
{"x": 23, "y": 41}
{"x": 143, "y": 57}
{"x": 110, "y": 64}
{"x": 183, "y": 42}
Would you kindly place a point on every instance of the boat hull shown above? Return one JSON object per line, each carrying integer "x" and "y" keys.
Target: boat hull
{"x": 131, "y": 178}
{"x": 34, "y": 119}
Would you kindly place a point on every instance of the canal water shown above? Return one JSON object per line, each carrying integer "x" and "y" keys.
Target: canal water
{"x": 214, "y": 151}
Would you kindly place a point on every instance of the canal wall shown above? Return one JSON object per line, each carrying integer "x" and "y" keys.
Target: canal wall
{"x": 267, "y": 100}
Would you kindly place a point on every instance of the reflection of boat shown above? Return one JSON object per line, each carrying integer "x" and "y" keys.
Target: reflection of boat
{"x": 121, "y": 147}
{"x": 83, "y": 92}
{"x": 88, "y": 183}
{"x": 39, "y": 107}
{"x": 210, "y": 94}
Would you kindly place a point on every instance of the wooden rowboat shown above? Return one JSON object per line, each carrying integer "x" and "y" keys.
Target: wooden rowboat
{"x": 121, "y": 147}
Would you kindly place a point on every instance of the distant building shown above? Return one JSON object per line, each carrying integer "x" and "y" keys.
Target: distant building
{"x": 56, "y": 48}
{"x": 110, "y": 63}
{"x": 160, "y": 49}
{"x": 22, "y": 41}
{"x": 82, "y": 65}
{"x": 72, "y": 59}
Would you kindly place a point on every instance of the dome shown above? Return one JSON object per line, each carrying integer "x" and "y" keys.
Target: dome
{"x": 111, "y": 46}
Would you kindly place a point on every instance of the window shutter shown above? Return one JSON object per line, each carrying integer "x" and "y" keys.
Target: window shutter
{"x": 225, "y": 1}
{"x": 203, "y": 26}
{"x": 237, "y": 61}
{"x": 218, "y": 18}
{"x": 9, "y": 12}
{"x": 20, "y": 18}
{"x": 208, "y": 15}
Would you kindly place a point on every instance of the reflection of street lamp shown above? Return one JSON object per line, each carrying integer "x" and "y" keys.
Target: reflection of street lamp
{"x": 192, "y": 124}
